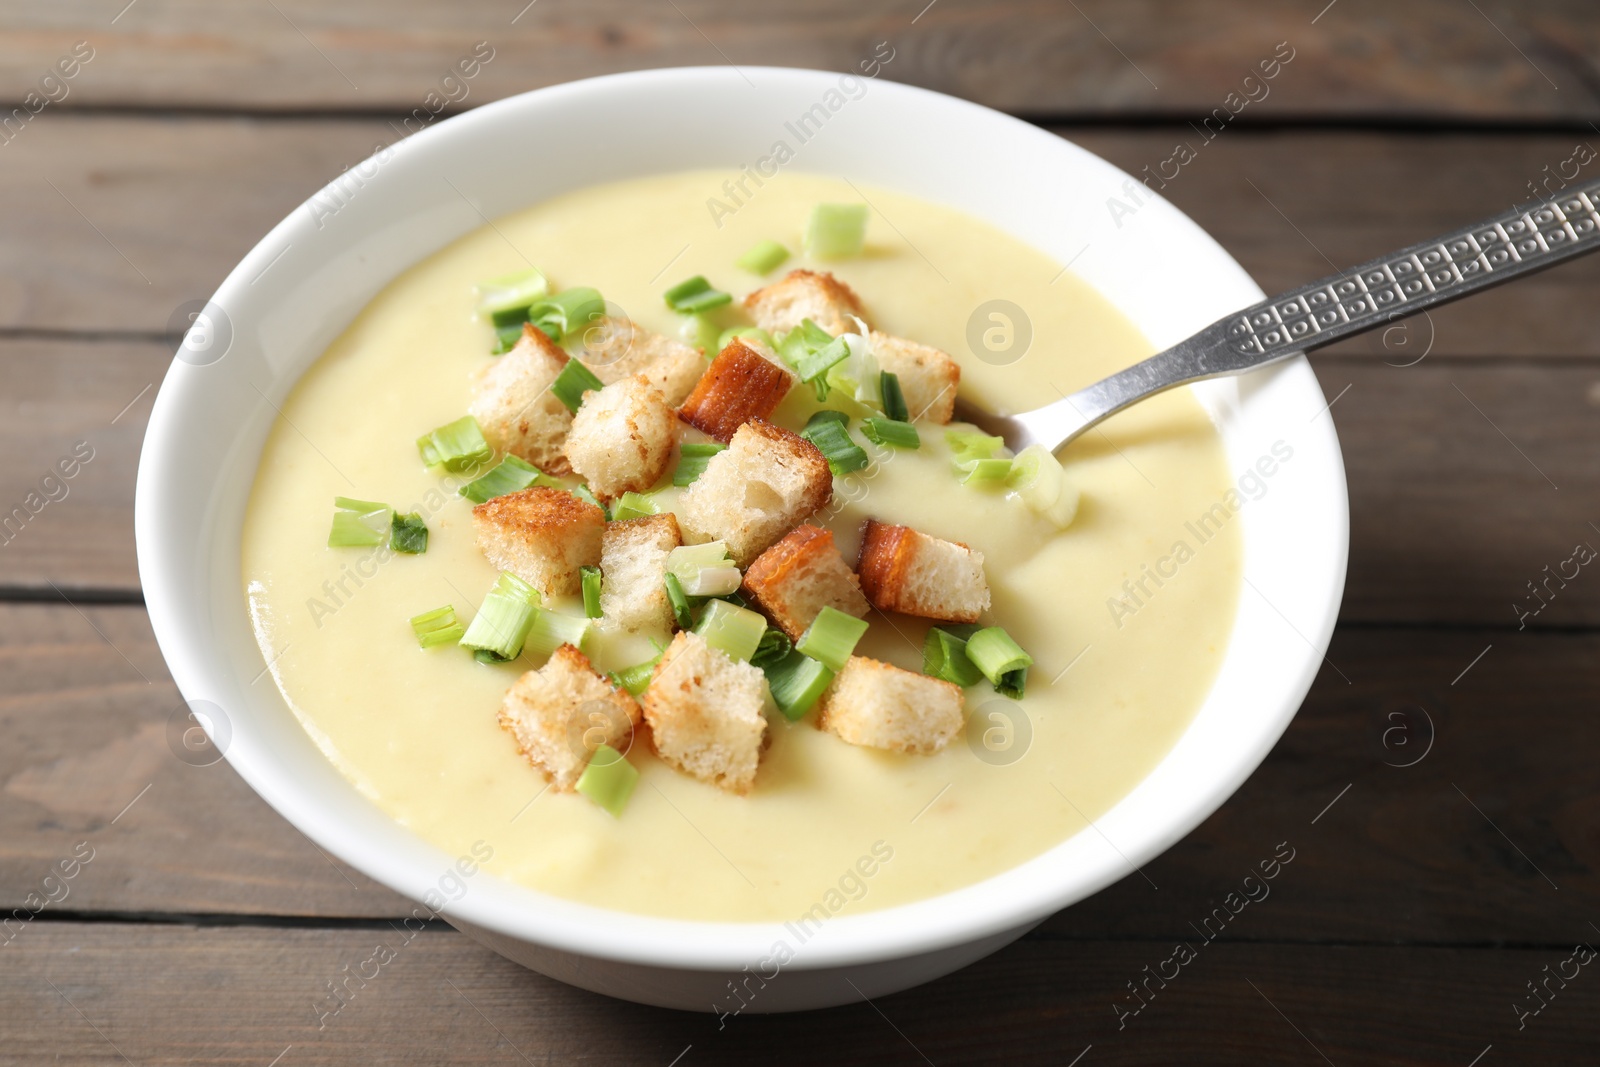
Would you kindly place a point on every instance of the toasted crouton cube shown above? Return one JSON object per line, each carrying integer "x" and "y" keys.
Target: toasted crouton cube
{"x": 512, "y": 401}
{"x": 541, "y": 535}
{"x": 928, "y": 377}
{"x": 560, "y": 713}
{"x": 908, "y": 571}
{"x": 799, "y": 576}
{"x": 705, "y": 711}
{"x": 804, "y": 294}
{"x": 764, "y": 483}
{"x": 615, "y": 348}
{"x": 744, "y": 382}
{"x": 882, "y": 706}
{"x": 633, "y": 563}
{"x": 621, "y": 438}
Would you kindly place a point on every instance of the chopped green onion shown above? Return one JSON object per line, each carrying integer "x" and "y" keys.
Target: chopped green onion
{"x": 796, "y": 681}
{"x": 836, "y": 445}
{"x": 506, "y": 338}
{"x": 501, "y": 626}
{"x": 858, "y": 376}
{"x": 608, "y": 780}
{"x": 574, "y": 380}
{"x": 693, "y": 458}
{"x": 551, "y": 630}
{"x": 704, "y": 570}
{"x": 836, "y": 231}
{"x": 437, "y": 627}
{"x": 636, "y": 679}
{"x": 891, "y": 432}
{"x": 987, "y": 472}
{"x": 699, "y": 331}
{"x": 763, "y": 258}
{"x": 755, "y": 333}
{"x": 944, "y": 655}
{"x": 1001, "y": 660}
{"x": 591, "y": 591}
{"x": 815, "y": 363}
{"x": 831, "y": 637}
{"x": 775, "y": 645}
{"x": 359, "y": 523}
{"x": 679, "y": 602}
{"x": 894, "y": 401}
{"x": 585, "y": 494}
{"x": 827, "y": 415}
{"x": 695, "y": 295}
{"x": 967, "y": 446}
{"x": 510, "y": 475}
{"x": 512, "y": 292}
{"x": 735, "y": 630}
{"x": 567, "y": 312}
{"x": 409, "y": 534}
{"x": 633, "y": 505}
{"x": 1040, "y": 482}
{"x": 457, "y": 446}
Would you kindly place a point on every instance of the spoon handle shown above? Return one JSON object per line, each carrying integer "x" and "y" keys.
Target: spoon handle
{"x": 1376, "y": 293}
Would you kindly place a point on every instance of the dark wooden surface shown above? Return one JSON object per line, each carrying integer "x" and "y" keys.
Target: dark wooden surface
{"x": 1420, "y": 902}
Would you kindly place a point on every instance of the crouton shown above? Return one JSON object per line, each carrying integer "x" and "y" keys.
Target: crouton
{"x": 621, "y": 438}
{"x": 799, "y": 576}
{"x": 928, "y": 377}
{"x": 705, "y": 711}
{"x": 753, "y": 492}
{"x": 512, "y": 401}
{"x": 560, "y": 713}
{"x": 882, "y": 706}
{"x": 616, "y": 348}
{"x": 804, "y": 294}
{"x": 905, "y": 570}
{"x": 633, "y": 563}
{"x": 541, "y": 535}
{"x": 744, "y": 382}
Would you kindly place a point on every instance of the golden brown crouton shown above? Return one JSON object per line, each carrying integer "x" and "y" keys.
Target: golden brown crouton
{"x": 757, "y": 489}
{"x": 512, "y": 401}
{"x": 560, "y": 713}
{"x": 633, "y": 562}
{"x": 799, "y": 576}
{"x": 744, "y": 382}
{"x": 705, "y": 711}
{"x": 621, "y": 438}
{"x": 905, "y": 570}
{"x": 882, "y": 706}
{"x": 615, "y": 348}
{"x": 541, "y": 535}
{"x": 804, "y": 294}
{"x": 928, "y": 377}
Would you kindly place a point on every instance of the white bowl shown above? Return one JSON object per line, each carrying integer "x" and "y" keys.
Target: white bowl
{"x": 298, "y": 288}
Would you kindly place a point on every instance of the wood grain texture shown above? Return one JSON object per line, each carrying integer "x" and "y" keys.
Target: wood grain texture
{"x": 162, "y": 995}
{"x": 1358, "y": 58}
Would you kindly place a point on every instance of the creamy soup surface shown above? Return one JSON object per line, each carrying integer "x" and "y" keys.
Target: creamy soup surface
{"x": 416, "y": 730}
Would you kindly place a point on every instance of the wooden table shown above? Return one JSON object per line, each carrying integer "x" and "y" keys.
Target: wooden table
{"x": 1438, "y": 788}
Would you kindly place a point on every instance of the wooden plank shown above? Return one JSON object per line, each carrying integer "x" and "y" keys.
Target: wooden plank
{"x": 1361, "y": 58}
{"x": 1403, "y": 856}
{"x": 169, "y": 995}
{"x": 116, "y": 222}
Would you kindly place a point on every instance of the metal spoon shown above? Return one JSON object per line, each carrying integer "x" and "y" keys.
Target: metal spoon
{"x": 1363, "y": 298}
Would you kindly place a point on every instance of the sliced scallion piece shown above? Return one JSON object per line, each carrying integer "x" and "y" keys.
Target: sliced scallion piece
{"x": 574, "y": 380}
{"x": 775, "y": 645}
{"x": 510, "y": 475}
{"x": 591, "y": 591}
{"x": 501, "y": 626}
{"x": 796, "y": 681}
{"x": 944, "y": 655}
{"x": 831, "y": 637}
{"x": 510, "y": 292}
{"x": 359, "y": 523}
{"x": 755, "y": 333}
{"x": 816, "y": 362}
{"x": 631, "y": 505}
{"x": 636, "y": 679}
{"x": 837, "y": 447}
{"x": 763, "y": 258}
{"x": 608, "y": 780}
{"x": 456, "y": 446}
{"x": 827, "y": 415}
{"x": 735, "y": 630}
{"x": 1001, "y": 660}
{"x": 1040, "y": 482}
{"x": 693, "y": 458}
{"x": 891, "y": 432}
{"x": 567, "y": 312}
{"x": 987, "y": 472}
{"x": 680, "y": 603}
{"x": 695, "y": 295}
{"x": 585, "y": 494}
{"x": 506, "y": 338}
{"x": 408, "y": 534}
{"x": 894, "y": 401}
{"x": 802, "y": 341}
{"x": 967, "y": 446}
{"x": 704, "y": 570}
{"x": 437, "y": 627}
{"x": 551, "y": 630}
{"x": 836, "y": 231}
